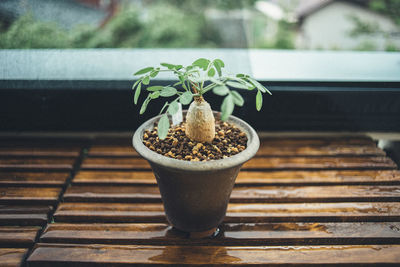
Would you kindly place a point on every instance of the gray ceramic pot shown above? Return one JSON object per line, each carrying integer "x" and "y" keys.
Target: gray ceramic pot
{"x": 196, "y": 194}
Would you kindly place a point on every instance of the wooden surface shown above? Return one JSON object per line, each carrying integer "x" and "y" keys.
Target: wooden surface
{"x": 33, "y": 178}
{"x": 12, "y": 257}
{"x": 33, "y": 175}
{"x": 118, "y": 255}
{"x": 301, "y": 201}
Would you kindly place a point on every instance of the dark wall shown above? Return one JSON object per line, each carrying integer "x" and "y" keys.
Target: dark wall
{"x": 293, "y": 106}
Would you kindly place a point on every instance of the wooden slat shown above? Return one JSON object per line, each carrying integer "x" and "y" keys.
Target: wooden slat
{"x": 114, "y": 177}
{"x": 112, "y": 151}
{"x": 320, "y": 163}
{"x": 251, "y": 177}
{"x": 318, "y": 177}
{"x": 265, "y": 194}
{"x": 250, "y": 212}
{"x": 316, "y": 141}
{"x": 33, "y": 178}
{"x": 230, "y": 234}
{"x": 119, "y": 255}
{"x": 39, "y": 151}
{"x": 115, "y": 164}
{"x": 12, "y": 257}
{"x": 348, "y": 193}
{"x": 275, "y": 163}
{"x": 328, "y": 150}
{"x": 29, "y": 195}
{"x": 17, "y": 236}
{"x": 109, "y": 212}
{"x": 24, "y": 215}
{"x": 37, "y": 163}
{"x": 112, "y": 194}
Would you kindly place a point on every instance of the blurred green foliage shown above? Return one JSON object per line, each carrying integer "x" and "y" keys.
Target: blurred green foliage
{"x": 162, "y": 26}
{"x": 194, "y": 6}
{"x": 28, "y": 33}
{"x": 389, "y": 8}
{"x": 361, "y": 27}
{"x": 285, "y": 35}
{"x": 283, "y": 39}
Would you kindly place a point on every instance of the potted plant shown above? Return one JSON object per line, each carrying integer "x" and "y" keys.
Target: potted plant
{"x": 196, "y": 162}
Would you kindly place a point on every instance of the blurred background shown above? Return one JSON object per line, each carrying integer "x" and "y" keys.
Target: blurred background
{"x": 372, "y": 25}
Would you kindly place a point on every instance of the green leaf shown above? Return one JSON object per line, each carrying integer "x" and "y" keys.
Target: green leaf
{"x": 221, "y": 90}
{"x": 143, "y": 71}
{"x": 136, "y": 83}
{"x": 163, "y": 127}
{"x": 211, "y": 72}
{"x": 165, "y": 105}
{"x": 154, "y": 88}
{"x": 259, "y": 101}
{"x": 237, "y": 98}
{"x": 167, "y": 65}
{"x": 137, "y": 93}
{"x": 154, "y": 95}
{"x": 237, "y": 85}
{"x": 168, "y": 91}
{"x": 202, "y": 63}
{"x": 173, "y": 108}
{"x": 177, "y": 83}
{"x": 186, "y": 98}
{"x": 155, "y": 72}
{"x": 216, "y": 81}
{"x": 240, "y": 75}
{"x": 218, "y": 64}
{"x": 171, "y": 66}
{"x": 260, "y": 86}
{"x": 146, "y": 80}
{"x": 227, "y": 107}
{"x": 144, "y": 106}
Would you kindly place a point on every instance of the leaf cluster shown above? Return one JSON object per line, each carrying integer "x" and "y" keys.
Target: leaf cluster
{"x": 195, "y": 80}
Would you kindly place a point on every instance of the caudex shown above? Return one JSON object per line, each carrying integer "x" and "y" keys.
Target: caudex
{"x": 195, "y": 81}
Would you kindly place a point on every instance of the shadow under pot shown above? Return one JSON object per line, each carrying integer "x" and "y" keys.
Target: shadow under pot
{"x": 196, "y": 194}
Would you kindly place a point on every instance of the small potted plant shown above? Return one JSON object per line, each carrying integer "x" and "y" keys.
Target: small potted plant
{"x": 196, "y": 161}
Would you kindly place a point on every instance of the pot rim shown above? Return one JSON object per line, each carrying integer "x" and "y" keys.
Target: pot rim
{"x": 253, "y": 144}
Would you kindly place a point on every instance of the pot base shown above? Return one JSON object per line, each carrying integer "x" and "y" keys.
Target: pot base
{"x": 197, "y": 235}
{"x": 213, "y": 232}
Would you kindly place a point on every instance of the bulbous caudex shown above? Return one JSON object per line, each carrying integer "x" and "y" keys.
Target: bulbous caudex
{"x": 200, "y": 121}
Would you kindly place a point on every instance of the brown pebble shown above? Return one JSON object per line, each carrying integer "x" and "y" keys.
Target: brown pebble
{"x": 175, "y": 142}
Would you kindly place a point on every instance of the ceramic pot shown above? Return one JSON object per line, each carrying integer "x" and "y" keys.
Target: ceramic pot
{"x": 196, "y": 194}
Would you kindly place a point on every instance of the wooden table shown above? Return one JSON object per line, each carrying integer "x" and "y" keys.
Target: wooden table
{"x": 301, "y": 200}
